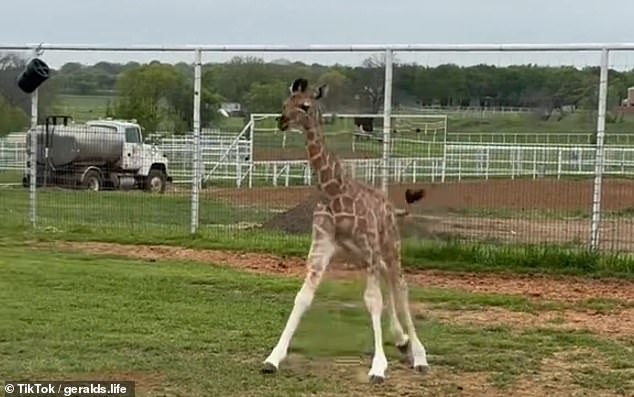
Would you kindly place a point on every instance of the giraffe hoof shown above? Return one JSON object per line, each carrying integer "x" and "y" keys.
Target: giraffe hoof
{"x": 375, "y": 379}
{"x": 268, "y": 368}
{"x": 423, "y": 369}
{"x": 404, "y": 348}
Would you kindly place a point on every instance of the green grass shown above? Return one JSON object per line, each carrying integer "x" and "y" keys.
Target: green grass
{"x": 83, "y": 107}
{"x": 204, "y": 330}
{"x": 581, "y": 122}
{"x": 10, "y": 177}
{"x": 518, "y": 259}
{"x": 140, "y": 218}
{"x": 133, "y": 210}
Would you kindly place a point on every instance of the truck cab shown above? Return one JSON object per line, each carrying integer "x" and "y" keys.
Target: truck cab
{"x": 149, "y": 163}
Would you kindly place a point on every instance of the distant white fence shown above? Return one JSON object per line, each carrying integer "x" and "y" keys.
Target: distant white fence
{"x": 12, "y": 155}
{"x": 469, "y": 111}
{"x": 558, "y": 138}
{"x": 223, "y": 155}
{"x": 298, "y": 172}
{"x": 462, "y": 161}
{"x": 228, "y": 158}
{"x": 465, "y": 160}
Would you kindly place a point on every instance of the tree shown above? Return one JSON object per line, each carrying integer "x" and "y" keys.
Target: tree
{"x": 142, "y": 94}
{"x": 12, "y": 118}
{"x": 369, "y": 82}
{"x": 373, "y": 86}
{"x": 354, "y": 89}
{"x": 266, "y": 97}
{"x": 159, "y": 96}
{"x": 340, "y": 89}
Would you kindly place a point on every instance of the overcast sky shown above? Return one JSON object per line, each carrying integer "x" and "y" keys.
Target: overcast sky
{"x": 124, "y": 22}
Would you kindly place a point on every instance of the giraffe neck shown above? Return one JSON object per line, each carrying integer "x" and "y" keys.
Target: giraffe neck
{"x": 324, "y": 162}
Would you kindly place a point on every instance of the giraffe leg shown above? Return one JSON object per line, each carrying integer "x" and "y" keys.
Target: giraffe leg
{"x": 400, "y": 337}
{"x": 419, "y": 356}
{"x": 321, "y": 251}
{"x": 374, "y": 303}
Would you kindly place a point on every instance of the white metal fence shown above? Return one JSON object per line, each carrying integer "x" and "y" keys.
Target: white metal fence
{"x": 223, "y": 157}
{"x": 486, "y": 161}
{"x": 12, "y": 155}
{"x": 226, "y": 158}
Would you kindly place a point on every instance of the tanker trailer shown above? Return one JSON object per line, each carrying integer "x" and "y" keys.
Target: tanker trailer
{"x": 96, "y": 155}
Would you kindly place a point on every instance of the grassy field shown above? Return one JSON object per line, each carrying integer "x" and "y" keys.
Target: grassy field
{"x": 183, "y": 328}
{"x": 83, "y": 107}
{"x": 137, "y": 217}
{"x": 180, "y": 326}
{"x": 497, "y": 320}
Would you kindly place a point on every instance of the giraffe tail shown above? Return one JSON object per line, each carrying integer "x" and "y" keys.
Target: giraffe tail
{"x": 411, "y": 196}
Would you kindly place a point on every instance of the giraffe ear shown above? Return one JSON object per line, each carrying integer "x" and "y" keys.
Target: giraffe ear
{"x": 322, "y": 91}
{"x": 299, "y": 85}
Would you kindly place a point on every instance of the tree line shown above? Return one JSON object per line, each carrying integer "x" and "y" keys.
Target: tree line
{"x": 160, "y": 95}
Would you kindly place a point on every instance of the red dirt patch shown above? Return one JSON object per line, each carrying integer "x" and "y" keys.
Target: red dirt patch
{"x": 541, "y": 287}
{"x": 536, "y": 286}
{"x": 518, "y": 194}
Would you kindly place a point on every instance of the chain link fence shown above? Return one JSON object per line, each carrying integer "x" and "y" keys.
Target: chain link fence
{"x": 510, "y": 147}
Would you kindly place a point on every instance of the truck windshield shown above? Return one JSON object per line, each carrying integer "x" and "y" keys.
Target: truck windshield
{"x": 132, "y": 135}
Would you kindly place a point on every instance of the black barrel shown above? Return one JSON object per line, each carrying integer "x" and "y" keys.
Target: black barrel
{"x": 33, "y": 76}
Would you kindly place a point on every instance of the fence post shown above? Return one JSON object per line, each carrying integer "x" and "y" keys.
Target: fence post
{"x": 196, "y": 155}
{"x": 33, "y": 157}
{"x": 33, "y": 160}
{"x": 387, "y": 118}
{"x": 251, "y": 142}
{"x": 598, "y": 165}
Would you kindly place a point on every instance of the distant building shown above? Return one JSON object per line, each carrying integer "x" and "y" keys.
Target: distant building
{"x": 233, "y": 108}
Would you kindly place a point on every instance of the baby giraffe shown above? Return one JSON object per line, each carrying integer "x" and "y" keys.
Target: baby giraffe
{"x": 358, "y": 220}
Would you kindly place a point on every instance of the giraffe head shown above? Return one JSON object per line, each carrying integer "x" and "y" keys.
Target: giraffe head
{"x": 301, "y": 106}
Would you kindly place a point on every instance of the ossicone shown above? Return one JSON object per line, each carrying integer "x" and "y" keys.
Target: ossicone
{"x": 299, "y": 85}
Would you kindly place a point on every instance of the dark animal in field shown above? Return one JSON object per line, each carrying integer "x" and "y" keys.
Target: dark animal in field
{"x": 412, "y": 196}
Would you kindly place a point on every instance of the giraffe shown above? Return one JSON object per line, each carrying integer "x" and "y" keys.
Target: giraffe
{"x": 353, "y": 218}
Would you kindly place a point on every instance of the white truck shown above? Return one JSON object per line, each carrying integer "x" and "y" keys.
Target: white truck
{"x": 96, "y": 155}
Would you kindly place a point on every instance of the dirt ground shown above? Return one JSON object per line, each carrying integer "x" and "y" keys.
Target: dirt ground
{"x": 556, "y": 375}
{"x": 518, "y": 194}
{"x": 473, "y": 210}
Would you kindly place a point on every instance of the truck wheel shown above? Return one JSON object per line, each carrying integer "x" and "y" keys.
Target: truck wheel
{"x": 155, "y": 181}
{"x": 92, "y": 181}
